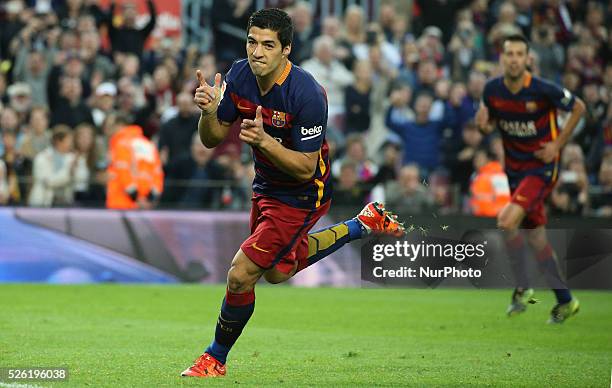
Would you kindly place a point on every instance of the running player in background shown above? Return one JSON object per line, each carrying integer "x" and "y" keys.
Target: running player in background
{"x": 284, "y": 116}
{"x": 524, "y": 108}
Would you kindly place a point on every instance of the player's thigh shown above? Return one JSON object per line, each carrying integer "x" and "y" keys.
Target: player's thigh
{"x": 243, "y": 274}
{"x": 536, "y": 238}
{"x": 510, "y": 217}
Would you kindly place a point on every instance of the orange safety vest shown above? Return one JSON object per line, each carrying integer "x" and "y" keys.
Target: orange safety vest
{"x": 489, "y": 190}
{"x": 134, "y": 163}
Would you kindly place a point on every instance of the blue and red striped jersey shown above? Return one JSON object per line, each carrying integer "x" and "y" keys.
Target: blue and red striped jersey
{"x": 294, "y": 112}
{"x": 527, "y": 120}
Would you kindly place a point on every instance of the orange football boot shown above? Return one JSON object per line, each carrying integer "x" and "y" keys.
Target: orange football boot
{"x": 205, "y": 366}
{"x": 376, "y": 219}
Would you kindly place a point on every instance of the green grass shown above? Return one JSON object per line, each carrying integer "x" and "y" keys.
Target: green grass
{"x": 118, "y": 335}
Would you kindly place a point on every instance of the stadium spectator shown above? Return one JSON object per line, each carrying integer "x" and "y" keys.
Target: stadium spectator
{"x": 71, "y": 109}
{"x": 349, "y": 192}
{"x": 427, "y": 75}
{"x": 228, "y": 22}
{"x": 103, "y": 102}
{"x": 10, "y": 26}
{"x": 407, "y": 195}
{"x": 463, "y": 51}
{"x": 191, "y": 179}
{"x": 332, "y": 27}
{"x": 460, "y": 160}
{"x": 98, "y": 68}
{"x": 32, "y": 67}
{"x": 38, "y": 136}
{"x": 357, "y": 99}
{"x": 16, "y": 166}
{"x": 602, "y": 199}
{"x": 356, "y": 153}
{"x": 68, "y": 64}
{"x": 489, "y": 189}
{"x": 9, "y": 122}
{"x": 53, "y": 172}
{"x": 127, "y": 38}
{"x": 20, "y": 99}
{"x": 570, "y": 195}
{"x": 439, "y": 13}
{"x": 87, "y": 188}
{"x": 550, "y": 53}
{"x": 305, "y": 30}
{"x": 175, "y": 135}
{"x": 389, "y": 54}
{"x": 330, "y": 73}
{"x": 353, "y": 31}
{"x": 135, "y": 176}
{"x": 430, "y": 45}
{"x": 422, "y": 136}
{"x": 161, "y": 89}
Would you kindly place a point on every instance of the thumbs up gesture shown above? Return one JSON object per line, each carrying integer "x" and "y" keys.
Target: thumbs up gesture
{"x": 252, "y": 131}
{"x": 207, "y": 97}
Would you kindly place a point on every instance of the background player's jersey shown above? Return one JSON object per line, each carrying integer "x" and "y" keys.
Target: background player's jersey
{"x": 527, "y": 120}
{"x": 294, "y": 112}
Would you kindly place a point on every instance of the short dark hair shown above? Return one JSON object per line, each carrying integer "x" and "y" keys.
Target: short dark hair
{"x": 60, "y": 132}
{"x": 516, "y": 38}
{"x": 276, "y": 20}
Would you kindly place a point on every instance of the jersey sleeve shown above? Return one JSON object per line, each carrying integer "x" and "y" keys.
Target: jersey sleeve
{"x": 310, "y": 124}
{"x": 558, "y": 96}
{"x": 227, "y": 110}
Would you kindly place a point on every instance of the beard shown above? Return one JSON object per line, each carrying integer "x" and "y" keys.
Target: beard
{"x": 514, "y": 76}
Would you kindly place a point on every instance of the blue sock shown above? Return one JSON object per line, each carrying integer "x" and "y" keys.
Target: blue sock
{"x": 236, "y": 310}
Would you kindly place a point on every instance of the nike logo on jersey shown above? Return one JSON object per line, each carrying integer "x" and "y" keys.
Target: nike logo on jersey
{"x": 259, "y": 249}
{"x": 244, "y": 107}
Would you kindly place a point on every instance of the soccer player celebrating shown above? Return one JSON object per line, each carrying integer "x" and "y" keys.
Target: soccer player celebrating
{"x": 284, "y": 115}
{"x": 524, "y": 108}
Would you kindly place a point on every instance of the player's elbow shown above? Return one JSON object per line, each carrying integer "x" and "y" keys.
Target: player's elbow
{"x": 579, "y": 106}
{"x": 304, "y": 176}
{"x": 209, "y": 142}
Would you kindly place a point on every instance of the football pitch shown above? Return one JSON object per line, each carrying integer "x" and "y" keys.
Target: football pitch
{"x": 129, "y": 335}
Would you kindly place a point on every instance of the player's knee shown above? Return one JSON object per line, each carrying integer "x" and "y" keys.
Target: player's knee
{"x": 238, "y": 281}
{"x": 505, "y": 223}
{"x": 537, "y": 240}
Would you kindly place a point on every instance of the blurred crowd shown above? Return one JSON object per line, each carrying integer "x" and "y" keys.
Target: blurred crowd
{"x": 403, "y": 88}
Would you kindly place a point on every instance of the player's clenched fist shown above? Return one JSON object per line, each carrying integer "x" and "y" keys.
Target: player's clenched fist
{"x": 207, "y": 97}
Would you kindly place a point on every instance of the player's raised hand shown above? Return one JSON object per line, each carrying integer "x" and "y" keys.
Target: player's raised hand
{"x": 252, "y": 131}
{"x": 548, "y": 152}
{"x": 207, "y": 97}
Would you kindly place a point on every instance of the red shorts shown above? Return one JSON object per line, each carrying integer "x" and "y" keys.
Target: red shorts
{"x": 530, "y": 194}
{"x": 279, "y": 233}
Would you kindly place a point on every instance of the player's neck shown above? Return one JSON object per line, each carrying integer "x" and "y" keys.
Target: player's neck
{"x": 515, "y": 85}
{"x": 266, "y": 82}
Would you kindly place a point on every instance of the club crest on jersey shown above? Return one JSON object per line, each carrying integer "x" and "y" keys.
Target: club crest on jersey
{"x": 531, "y": 106}
{"x": 279, "y": 119}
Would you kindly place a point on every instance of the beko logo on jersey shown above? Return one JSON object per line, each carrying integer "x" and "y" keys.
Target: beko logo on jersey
{"x": 519, "y": 128}
{"x": 311, "y": 133}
